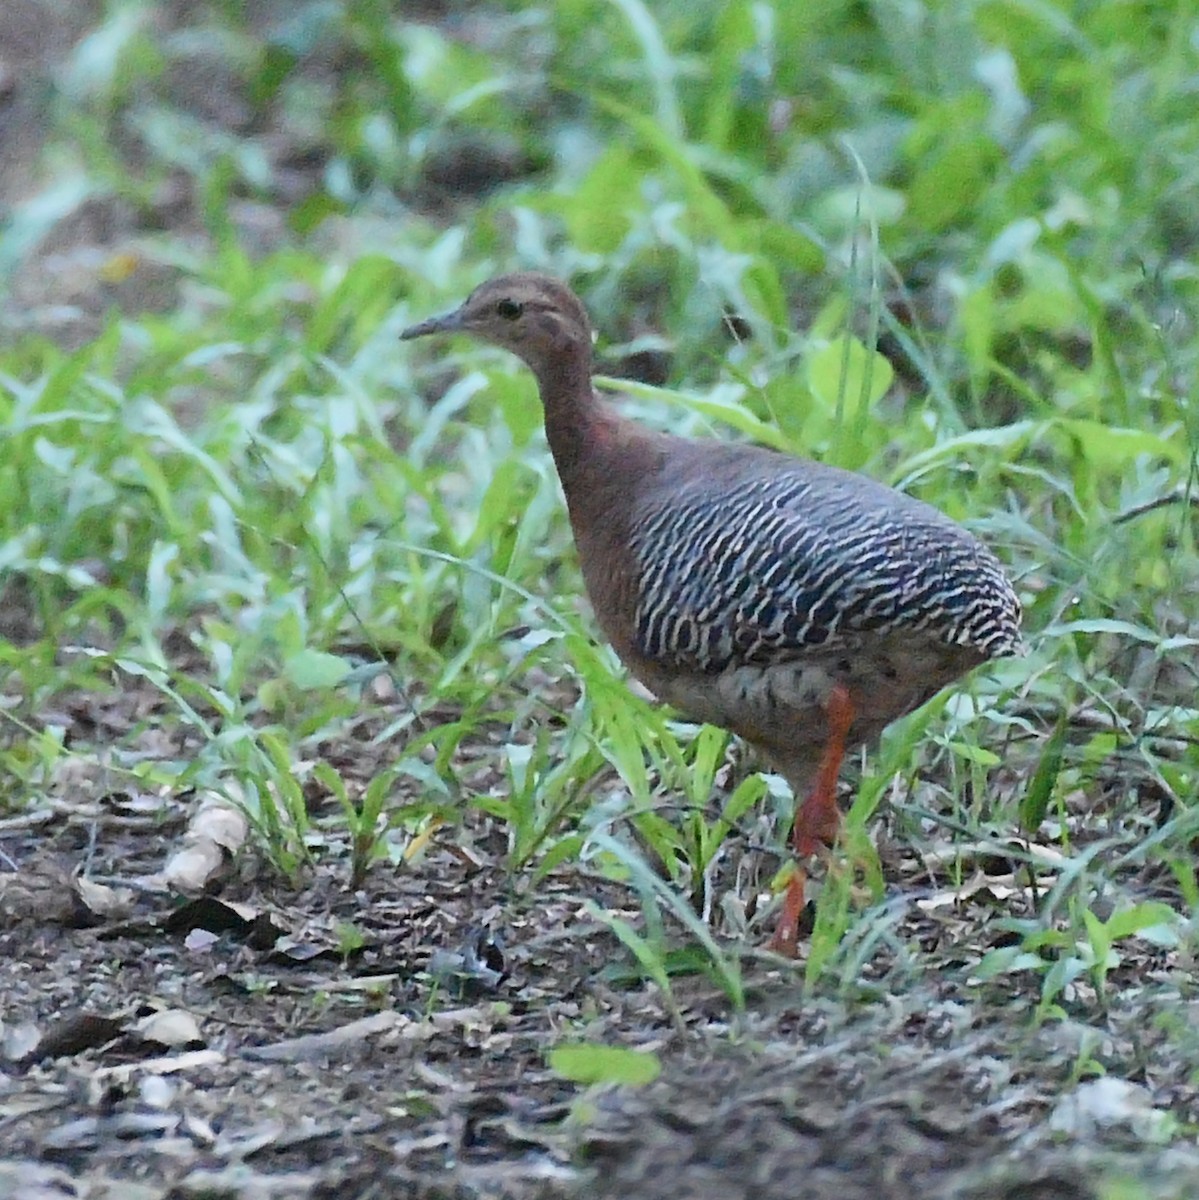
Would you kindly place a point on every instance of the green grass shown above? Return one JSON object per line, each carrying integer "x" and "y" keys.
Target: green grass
{"x": 260, "y": 507}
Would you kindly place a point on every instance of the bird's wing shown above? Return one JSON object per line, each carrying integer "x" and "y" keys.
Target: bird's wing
{"x": 759, "y": 570}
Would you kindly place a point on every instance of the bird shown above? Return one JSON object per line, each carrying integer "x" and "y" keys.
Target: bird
{"x": 799, "y": 605}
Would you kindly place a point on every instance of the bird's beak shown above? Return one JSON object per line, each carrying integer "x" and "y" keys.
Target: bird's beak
{"x": 446, "y": 323}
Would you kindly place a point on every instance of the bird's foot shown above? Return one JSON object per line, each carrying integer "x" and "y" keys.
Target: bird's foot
{"x": 817, "y": 821}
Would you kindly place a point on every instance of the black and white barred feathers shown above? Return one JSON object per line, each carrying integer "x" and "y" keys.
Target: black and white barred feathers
{"x": 777, "y": 564}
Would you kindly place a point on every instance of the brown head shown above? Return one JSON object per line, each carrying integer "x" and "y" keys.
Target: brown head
{"x": 535, "y": 316}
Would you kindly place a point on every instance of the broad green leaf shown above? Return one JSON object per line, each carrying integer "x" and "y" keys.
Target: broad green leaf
{"x": 844, "y": 370}
{"x": 1006, "y": 960}
{"x": 590, "y": 1062}
{"x": 599, "y": 211}
{"x": 975, "y": 754}
{"x": 314, "y": 669}
{"x": 1139, "y": 919}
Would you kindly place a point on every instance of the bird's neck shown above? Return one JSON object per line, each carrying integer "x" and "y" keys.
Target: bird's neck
{"x": 602, "y": 460}
{"x": 577, "y": 423}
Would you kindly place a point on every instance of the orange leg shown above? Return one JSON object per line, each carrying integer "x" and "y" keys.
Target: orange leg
{"x": 816, "y": 821}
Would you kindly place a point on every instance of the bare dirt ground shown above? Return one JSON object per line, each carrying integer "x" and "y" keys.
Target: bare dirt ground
{"x": 233, "y": 1046}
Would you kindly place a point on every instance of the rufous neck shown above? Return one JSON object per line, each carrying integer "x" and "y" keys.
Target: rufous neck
{"x": 573, "y": 414}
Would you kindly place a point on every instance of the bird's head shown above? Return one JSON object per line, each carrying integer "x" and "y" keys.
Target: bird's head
{"x": 534, "y": 316}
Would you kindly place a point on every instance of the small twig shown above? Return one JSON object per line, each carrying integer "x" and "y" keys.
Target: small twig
{"x": 1180, "y": 495}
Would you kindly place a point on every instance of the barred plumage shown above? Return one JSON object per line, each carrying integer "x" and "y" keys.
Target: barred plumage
{"x": 808, "y": 557}
{"x": 800, "y": 606}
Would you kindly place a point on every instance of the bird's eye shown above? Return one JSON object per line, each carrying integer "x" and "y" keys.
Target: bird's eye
{"x": 509, "y": 309}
